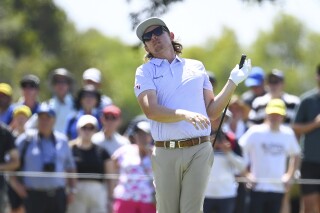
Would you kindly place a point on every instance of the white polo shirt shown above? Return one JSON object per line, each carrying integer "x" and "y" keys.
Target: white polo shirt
{"x": 178, "y": 85}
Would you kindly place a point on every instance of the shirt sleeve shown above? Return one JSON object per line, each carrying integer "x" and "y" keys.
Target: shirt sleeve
{"x": 143, "y": 80}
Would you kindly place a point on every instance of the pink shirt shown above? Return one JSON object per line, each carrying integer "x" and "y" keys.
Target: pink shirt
{"x": 135, "y": 181}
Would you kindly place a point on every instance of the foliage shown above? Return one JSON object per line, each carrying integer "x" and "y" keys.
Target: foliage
{"x": 36, "y": 37}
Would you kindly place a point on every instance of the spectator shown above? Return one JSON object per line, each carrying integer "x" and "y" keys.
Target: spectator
{"x": 307, "y": 125}
{"x": 46, "y": 150}
{"x": 133, "y": 123}
{"x": 21, "y": 114}
{"x": 92, "y": 159}
{"x": 266, "y": 148}
{"x": 220, "y": 195}
{"x": 135, "y": 191}
{"x": 30, "y": 85}
{"x": 86, "y": 103}
{"x": 92, "y": 76}
{"x": 255, "y": 83}
{"x": 62, "y": 101}
{"x": 108, "y": 137}
{"x": 6, "y": 107}
{"x": 7, "y": 147}
{"x": 237, "y": 122}
{"x": 275, "y": 81}
{"x": 212, "y": 79}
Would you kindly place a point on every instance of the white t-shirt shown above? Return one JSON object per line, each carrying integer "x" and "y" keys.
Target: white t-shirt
{"x": 222, "y": 183}
{"x": 266, "y": 152}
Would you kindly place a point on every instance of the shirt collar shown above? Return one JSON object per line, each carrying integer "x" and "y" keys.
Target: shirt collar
{"x": 158, "y": 61}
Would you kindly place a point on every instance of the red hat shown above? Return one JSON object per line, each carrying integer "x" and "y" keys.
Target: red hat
{"x": 112, "y": 110}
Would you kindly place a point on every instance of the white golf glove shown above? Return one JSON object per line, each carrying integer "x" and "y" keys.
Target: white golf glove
{"x": 238, "y": 75}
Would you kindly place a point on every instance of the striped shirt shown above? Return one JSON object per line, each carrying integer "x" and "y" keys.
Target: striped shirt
{"x": 257, "y": 113}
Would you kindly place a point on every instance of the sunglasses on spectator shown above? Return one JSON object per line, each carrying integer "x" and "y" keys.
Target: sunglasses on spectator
{"x": 156, "y": 31}
{"x": 110, "y": 117}
{"x": 28, "y": 85}
{"x": 61, "y": 81}
{"x": 89, "y": 128}
{"x": 275, "y": 81}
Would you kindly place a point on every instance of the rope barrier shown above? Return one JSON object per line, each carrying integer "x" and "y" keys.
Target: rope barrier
{"x": 139, "y": 177}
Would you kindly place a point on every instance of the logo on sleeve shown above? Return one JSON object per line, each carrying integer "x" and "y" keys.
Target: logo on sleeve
{"x": 137, "y": 86}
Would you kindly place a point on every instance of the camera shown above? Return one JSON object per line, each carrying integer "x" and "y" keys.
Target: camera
{"x": 49, "y": 167}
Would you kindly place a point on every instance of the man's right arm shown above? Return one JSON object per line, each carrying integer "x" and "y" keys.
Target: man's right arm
{"x": 301, "y": 128}
{"x": 149, "y": 105}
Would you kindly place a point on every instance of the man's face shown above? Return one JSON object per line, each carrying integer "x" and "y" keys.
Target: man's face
{"x": 158, "y": 43}
{"x": 45, "y": 122}
{"x": 60, "y": 86}
{"x": 30, "y": 90}
{"x": 275, "y": 119}
{"x": 5, "y": 101}
{"x": 275, "y": 85}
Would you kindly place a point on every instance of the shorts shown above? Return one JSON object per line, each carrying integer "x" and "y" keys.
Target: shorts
{"x": 310, "y": 170}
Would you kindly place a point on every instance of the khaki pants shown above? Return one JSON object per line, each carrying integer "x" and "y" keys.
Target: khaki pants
{"x": 181, "y": 177}
{"x": 91, "y": 197}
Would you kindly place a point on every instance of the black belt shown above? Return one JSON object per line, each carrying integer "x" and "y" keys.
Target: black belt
{"x": 182, "y": 143}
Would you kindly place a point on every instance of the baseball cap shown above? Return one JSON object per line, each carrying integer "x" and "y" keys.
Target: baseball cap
{"x": 112, "y": 110}
{"x": 87, "y": 119}
{"x": 45, "y": 108}
{"x": 147, "y": 23}
{"x": 92, "y": 74}
{"x": 255, "y": 78}
{"x": 143, "y": 126}
{"x": 5, "y": 89}
{"x": 22, "y": 109}
{"x": 33, "y": 80}
{"x": 276, "y": 74}
{"x": 276, "y": 106}
{"x": 63, "y": 72}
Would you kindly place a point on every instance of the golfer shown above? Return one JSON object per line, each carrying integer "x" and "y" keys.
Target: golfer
{"x": 176, "y": 95}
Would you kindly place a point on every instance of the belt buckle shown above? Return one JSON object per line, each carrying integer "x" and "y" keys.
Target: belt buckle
{"x": 172, "y": 144}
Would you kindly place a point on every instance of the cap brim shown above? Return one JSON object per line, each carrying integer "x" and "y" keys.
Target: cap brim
{"x": 252, "y": 82}
{"x": 147, "y": 23}
{"x": 276, "y": 111}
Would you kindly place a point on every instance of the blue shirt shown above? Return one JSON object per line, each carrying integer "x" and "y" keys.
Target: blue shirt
{"x": 7, "y": 116}
{"x": 179, "y": 85}
{"x": 43, "y": 150}
{"x": 62, "y": 110}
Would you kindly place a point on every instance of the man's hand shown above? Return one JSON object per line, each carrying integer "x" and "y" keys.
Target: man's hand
{"x": 238, "y": 75}
{"x": 196, "y": 119}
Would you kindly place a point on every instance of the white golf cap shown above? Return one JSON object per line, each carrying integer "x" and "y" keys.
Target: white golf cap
{"x": 144, "y": 126}
{"x": 92, "y": 74}
{"x": 87, "y": 119}
{"x": 147, "y": 23}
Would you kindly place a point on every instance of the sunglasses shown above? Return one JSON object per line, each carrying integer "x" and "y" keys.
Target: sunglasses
{"x": 60, "y": 82}
{"x": 274, "y": 81}
{"x": 156, "y": 31}
{"x": 28, "y": 85}
{"x": 89, "y": 128}
{"x": 110, "y": 117}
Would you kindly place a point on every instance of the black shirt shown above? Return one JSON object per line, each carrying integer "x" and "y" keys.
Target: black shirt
{"x": 6, "y": 145}
{"x": 90, "y": 160}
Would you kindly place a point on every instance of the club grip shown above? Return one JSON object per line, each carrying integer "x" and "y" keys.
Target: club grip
{"x": 243, "y": 58}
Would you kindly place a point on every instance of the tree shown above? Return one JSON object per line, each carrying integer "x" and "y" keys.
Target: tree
{"x": 159, "y": 7}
